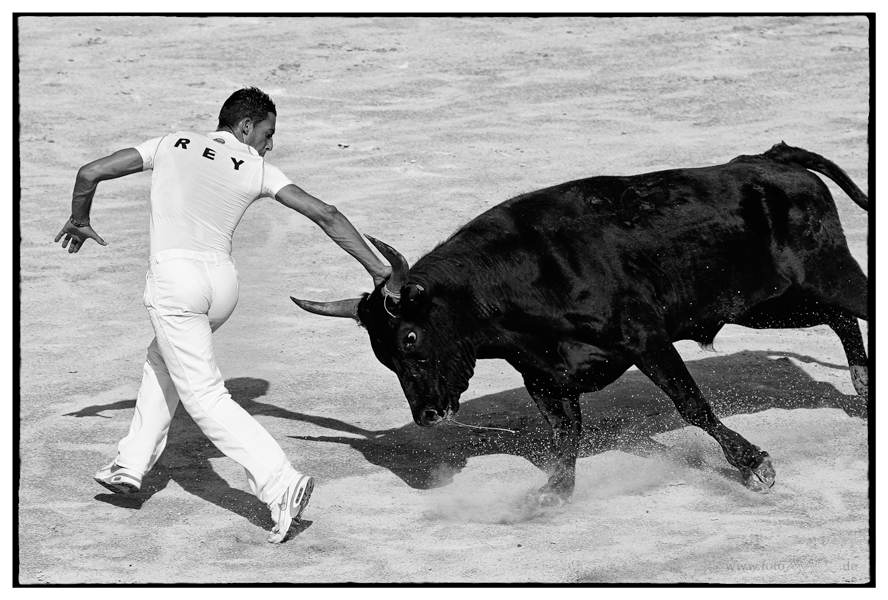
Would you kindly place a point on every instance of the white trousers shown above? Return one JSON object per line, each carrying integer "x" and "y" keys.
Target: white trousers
{"x": 188, "y": 296}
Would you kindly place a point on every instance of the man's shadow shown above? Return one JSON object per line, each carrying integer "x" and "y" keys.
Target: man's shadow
{"x": 186, "y": 459}
{"x": 623, "y": 416}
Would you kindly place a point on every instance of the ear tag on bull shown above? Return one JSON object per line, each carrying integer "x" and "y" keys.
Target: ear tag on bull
{"x": 415, "y": 289}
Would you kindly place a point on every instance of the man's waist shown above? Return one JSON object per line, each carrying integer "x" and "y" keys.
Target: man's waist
{"x": 172, "y": 254}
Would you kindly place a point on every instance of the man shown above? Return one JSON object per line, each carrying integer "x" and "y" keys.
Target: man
{"x": 200, "y": 187}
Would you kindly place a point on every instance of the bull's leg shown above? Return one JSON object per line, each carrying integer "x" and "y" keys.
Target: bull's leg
{"x": 563, "y": 416}
{"x": 848, "y": 330}
{"x": 657, "y": 358}
{"x": 850, "y": 299}
{"x": 843, "y": 287}
{"x": 809, "y": 314}
{"x": 807, "y": 308}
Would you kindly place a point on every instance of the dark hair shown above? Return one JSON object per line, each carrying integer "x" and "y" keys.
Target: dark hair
{"x": 246, "y": 102}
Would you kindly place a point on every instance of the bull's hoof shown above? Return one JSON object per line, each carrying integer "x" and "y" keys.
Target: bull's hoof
{"x": 860, "y": 378}
{"x": 546, "y": 498}
{"x": 761, "y": 478}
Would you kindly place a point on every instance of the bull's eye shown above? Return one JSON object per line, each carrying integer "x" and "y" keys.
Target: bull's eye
{"x": 410, "y": 339}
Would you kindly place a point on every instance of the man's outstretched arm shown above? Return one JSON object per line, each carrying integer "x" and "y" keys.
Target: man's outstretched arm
{"x": 77, "y": 229}
{"x": 335, "y": 225}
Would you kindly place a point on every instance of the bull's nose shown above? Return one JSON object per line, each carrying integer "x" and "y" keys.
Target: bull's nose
{"x": 430, "y": 417}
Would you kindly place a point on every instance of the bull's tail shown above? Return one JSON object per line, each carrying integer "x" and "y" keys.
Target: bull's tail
{"x": 784, "y": 154}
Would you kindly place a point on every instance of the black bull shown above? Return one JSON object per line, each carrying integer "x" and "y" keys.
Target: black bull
{"x": 575, "y": 283}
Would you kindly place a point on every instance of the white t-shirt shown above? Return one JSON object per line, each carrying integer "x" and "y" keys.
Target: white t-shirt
{"x": 201, "y": 186}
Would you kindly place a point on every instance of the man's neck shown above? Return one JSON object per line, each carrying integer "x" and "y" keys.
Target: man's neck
{"x": 231, "y": 131}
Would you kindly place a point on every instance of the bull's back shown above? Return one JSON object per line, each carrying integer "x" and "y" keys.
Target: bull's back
{"x": 683, "y": 235}
{"x": 637, "y": 203}
{"x": 691, "y": 211}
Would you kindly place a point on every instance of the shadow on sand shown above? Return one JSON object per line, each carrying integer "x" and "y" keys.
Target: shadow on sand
{"x": 186, "y": 459}
{"x": 623, "y": 416}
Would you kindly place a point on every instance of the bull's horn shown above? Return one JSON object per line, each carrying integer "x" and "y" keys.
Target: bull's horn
{"x": 339, "y": 308}
{"x": 399, "y": 264}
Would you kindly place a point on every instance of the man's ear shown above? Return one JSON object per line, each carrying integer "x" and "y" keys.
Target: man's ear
{"x": 415, "y": 301}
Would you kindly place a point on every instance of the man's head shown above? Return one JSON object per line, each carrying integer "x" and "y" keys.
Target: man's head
{"x": 251, "y": 116}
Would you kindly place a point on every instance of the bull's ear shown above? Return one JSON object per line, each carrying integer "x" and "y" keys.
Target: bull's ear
{"x": 415, "y": 301}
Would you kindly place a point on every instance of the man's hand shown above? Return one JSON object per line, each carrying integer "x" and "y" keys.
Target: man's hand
{"x": 377, "y": 279}
{"x": 76, "y": 236}
{"x": 123, "y": 162}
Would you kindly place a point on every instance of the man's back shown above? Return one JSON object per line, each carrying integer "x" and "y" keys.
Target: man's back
{"x": 200, "y": 188}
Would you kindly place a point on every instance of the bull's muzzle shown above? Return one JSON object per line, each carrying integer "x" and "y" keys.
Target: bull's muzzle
{"x": 431, "y": 417}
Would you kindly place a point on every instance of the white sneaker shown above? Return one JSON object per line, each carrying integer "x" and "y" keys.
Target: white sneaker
{"x": 119, "y": 480}
{"x": 288, "y": 509}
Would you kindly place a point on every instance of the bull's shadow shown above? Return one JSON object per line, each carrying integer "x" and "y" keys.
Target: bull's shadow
{"x": 623, "y": 416}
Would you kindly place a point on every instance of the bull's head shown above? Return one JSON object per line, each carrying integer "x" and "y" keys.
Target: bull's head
{"x": 416, "y": 333}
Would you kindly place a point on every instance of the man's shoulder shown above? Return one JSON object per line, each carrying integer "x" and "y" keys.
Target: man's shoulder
{"x": 193, "y": 136}
{"x": 190, "y": 135}
{"x": 178, "y": 137}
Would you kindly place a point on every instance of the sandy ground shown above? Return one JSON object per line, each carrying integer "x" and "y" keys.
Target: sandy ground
{"x": 412, "y": 127}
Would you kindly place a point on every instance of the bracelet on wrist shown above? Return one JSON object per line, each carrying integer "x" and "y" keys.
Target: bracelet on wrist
{"x": 77, "y": 223}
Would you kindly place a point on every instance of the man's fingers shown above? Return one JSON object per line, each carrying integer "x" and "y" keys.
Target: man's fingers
{"x": 92, "y": 233}
{"x": 76, "y": 242}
